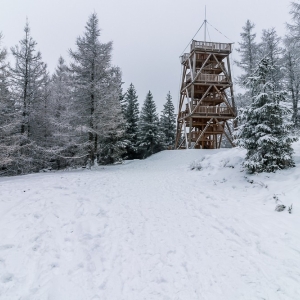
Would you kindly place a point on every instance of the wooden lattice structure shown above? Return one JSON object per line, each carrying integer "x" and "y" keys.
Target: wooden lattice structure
{"x": 206, "y": 97}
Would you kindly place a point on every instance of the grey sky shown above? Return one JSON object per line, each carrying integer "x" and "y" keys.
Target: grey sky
{"x": 148, "y": 36}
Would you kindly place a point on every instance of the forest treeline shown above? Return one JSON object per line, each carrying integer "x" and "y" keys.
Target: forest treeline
{"x": 268, "y": 114}
{"x": 284, "y": 55}
{"x": 79, "y": 116}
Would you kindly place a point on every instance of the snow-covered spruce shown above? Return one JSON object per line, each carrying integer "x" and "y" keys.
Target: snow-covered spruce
{"x": 265, "y": 131}
{"x": 111, "y": 124}
{"x": 168, "y": 122}
{"x": 7, "y": 120}
{"x": 94, "y": 78}
{"x": 90, "y": 60}
{"x": 29, "y": 83}
{"x": 249, "y": 56}
{"x": 270, "y": 47}
{"x": 291, "y": 62}
{"x": 63, "y": 112}
{"x": 248, "y": 50}
{"x": 291, "y": 67}
{"x": 150, "y": 137}
{"x": 131, "y": 114}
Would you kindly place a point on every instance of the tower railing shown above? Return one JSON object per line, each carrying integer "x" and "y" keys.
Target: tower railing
{"x": 208, "y": 111}
{"x": 212, "y": 78}
{"x": 209, "y": 78}
{"x": 211, "y": 46}
{"x": 213, "y": 110}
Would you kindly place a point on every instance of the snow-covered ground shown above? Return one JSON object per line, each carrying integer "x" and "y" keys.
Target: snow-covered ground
{"x": 152, "y": 229}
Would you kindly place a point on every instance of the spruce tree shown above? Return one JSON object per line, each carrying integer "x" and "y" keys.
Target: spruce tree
{"x": 61, "y": 90}
{"x": 249, "y": 55}
{"x": 131, "y": 114}
{"x": 90, "y": 69}
{"x": 65, "y": 138}
{"x": 270, "y": 47}
{"x": 168, "y": 122}
{"x": 4, "y": 74}
{"x": 291, "y": 61}
{"x": 150, "y": 139}
{"x": 111, "y": 123}
{"x": 248, "y": 50}
{"x": 291, "y": 72}
{"x": 265, "y": 129}
{"x": 29, "y": 79}
{"x": 30, "y": 86}
{"x": 6, "y": 105}
{"x": 7, "y": 117}
{"x": 294, "y": 28}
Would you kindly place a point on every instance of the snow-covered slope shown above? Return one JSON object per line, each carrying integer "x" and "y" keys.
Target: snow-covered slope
{"x": 152, "y": 229}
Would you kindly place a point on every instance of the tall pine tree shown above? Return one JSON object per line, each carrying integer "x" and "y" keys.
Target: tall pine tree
{"x": 111, "y": 122}
{"x": 65, "y": 138}
{"x": 294, "y": 28}
{"x": 291, "y": 72}
{"x": 248, "y": 50}
{"x": 249, "y": 55}
{"x": 291, "y": 60}
{"x": 4, "y": 75}
{"x": 29, "y": 78}
{"x": 131, "y": 114}
{"x": 7, "y": 117}
{"x": 30, "y": 86}
{"x": 270, "y": 47}
{"x": 168, "y": 122}
{"x": 91, "y": 70}
{"x": 265, "y": 130}
{"x": 150, "y": 137}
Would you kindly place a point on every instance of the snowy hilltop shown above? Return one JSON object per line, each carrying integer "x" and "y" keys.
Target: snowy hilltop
{"x": 179, "y": 225}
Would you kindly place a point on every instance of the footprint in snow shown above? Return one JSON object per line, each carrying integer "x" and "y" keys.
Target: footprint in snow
{"x": 7, "y": 278}
{"x": 5, "y": 247}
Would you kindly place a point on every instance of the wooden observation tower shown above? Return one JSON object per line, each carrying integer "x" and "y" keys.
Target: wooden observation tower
{"x": 206, "y": 97}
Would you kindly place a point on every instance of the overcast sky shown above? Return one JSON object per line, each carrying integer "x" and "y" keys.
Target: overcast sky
{"x": 148, "y": 35}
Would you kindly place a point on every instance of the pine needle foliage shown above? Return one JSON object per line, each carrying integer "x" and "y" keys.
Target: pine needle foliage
{"x": 7, "y": 122}
{"x": 131, "y": 114}
{"x": 248, "y": 50}
{"x": 91, "y": 70}
{"x": 150, "y": 136}
{"x": 168, "y": 122}
{"x": 265, "y": 129}
{"x": 29, "y": 83}
{"x": 111, "y": 125}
